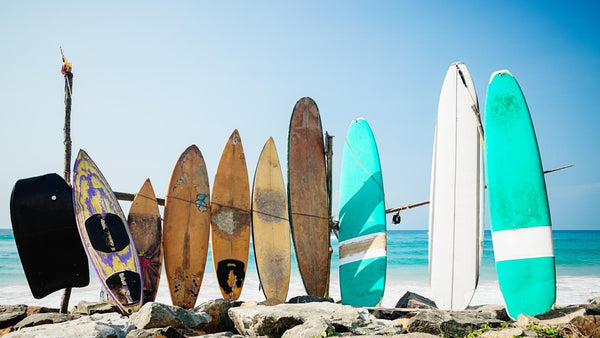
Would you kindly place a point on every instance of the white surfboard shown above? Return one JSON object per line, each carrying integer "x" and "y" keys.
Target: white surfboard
{"x": 455, "y": 212}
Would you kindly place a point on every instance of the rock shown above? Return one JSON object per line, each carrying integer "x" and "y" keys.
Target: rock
{"x": 275, "y": 320}
{"x": 153, "y": 315}
{"x": 217, "y": 310}
{"x": 587, "y": 325}
{"x": 497, "y": 311}
{"x": 160, "y": 332}
{"x": 41, "y": 309}
{"x": 551, "y": 318}
{"x": 12, "y": 314}
{"x": 413, "y": 300}
{"x": 89, "y": 308}
{"x": 309, "y": 299}
{"x": 450, "y": 323}
{"x": 223, "y": 334}
{"x": 96, "y": 325}
{"x": 503, "y": 333}
{"x": 43, "y": 318}
{"x": 316, "y": 327}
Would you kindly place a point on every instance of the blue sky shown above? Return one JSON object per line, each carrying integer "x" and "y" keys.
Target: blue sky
{"x": 151, "y": 78}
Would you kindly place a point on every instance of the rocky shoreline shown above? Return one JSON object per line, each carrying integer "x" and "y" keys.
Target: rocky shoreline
{"x": 304, "y": 316}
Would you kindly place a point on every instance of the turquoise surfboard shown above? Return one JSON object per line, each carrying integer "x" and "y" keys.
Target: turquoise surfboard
{"x": 362, "y": 235}
{"x": 519, "y": 212}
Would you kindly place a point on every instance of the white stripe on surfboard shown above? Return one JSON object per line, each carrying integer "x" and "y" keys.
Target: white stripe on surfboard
{"x": 372, "y": 245}
{"x": 523, "y": 243}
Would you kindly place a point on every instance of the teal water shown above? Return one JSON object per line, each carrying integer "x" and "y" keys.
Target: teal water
{"x": 577, "y": 255}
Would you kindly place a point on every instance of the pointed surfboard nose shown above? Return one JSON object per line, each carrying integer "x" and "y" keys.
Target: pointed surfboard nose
{"x": 499, "y": 72}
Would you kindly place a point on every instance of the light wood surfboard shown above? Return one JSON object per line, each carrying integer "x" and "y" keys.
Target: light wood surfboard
{"x": 145, "y": 225}
{"x": 455, "y": 212}
{"x": 519, "y": 210}
{"x": 307, "y": 193}
{"x": 186, "y": 227}
{"x": 230, "y": 229}
{"x": 271, "y": 225}
{"x": 105, "y": 235}
{"x": 362, "y": 241}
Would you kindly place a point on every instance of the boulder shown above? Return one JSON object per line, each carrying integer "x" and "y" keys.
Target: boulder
{"x": 153, "y": 315}
{"x": 451, "y": 323}
{"x": 90, "y": 308}
{"x": 503, "y": 333}
{"x": 415, "y": 301}
{"x": 587, "y": 325}
{"x": 275, "y": 320}
{"x": 496, "y": 311}
{"x": 43, "y": 318}
{"x": 217, "y": 310}
{"x": 315, "y": 327}
{"x": 41, "y": 309}
{"x": 12, "y": 314}
{"x": 160, "y": 332}
{"x": 97, "y": 325}
{"x": 309, "y": 299}
{"x": 552, "y": 318}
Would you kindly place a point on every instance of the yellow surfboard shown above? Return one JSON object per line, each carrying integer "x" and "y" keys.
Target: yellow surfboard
{"x": 271, "y": 225}
{"x": 230, "y": 229}
{"x": 186, "y": 227}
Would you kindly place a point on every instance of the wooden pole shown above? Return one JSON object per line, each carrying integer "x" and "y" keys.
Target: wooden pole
{"x": 64, "y": 303}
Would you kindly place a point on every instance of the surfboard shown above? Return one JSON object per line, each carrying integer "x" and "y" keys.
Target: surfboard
{"x": 105, "y": 235}
{"x": 186, "y": 227}
{"x": 362, "y": 234}
{"x": 519, "y": 211}
{"x": 307, "y": 196}
{"x": 271, "y": 225}
{"x": 45, "y": 231}
{"x": 230, "y": 229}
{"x": 145, "y": 225}
{"x": 455, "y": 211}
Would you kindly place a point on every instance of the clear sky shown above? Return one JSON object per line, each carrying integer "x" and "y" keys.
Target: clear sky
{"x": 152, "y": 78}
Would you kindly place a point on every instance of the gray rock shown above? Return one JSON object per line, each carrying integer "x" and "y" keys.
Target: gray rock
{"x": 12, "y": 314}
{"x": 503, "y": 333}
{"x": 552, "y": 318}
{"x": 450, "y": 324}
{"x": 153, "y": 315}
{"x": 315, "y": 327}
{"x": 217, "y": 310}
{"x": 496, "y": 311}
{"x": 275, "y": 320}
{"x": 90, "y": 308}
{"x": 43, "y": 318}
{"x": 41, "y": 309}
{"x": 94, "y": 326}
{"x": 413, "y": 300}
{"x": 223, "y": 335}
{"x": 309, "y": 299}
{"x": 160, "y": 332}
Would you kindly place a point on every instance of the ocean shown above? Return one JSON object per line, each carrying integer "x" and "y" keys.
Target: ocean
{"x": 577, "y": 268}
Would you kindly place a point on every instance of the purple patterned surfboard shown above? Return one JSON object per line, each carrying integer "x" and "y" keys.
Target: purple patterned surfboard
{"x": 105, "y": 235}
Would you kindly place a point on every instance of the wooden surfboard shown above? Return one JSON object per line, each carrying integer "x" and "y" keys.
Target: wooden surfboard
{"x": 307, "y": 193}
{"x": 145, "y": 226}
{"x": 271, "y": 225}
{"x": 362, "y": 236}
{"x": 455, "y": 211}
{"x": 230, "y": 230}
{"x": 519, "y": 211}
{"x": 105, "y": 235}
{"x": 45, "y": 230}
{"x": 186, "y": 227}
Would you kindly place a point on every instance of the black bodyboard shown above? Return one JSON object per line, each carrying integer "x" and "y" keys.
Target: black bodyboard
{"x": 45, "y": 231}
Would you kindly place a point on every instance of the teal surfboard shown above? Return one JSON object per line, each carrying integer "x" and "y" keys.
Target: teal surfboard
{"x": 519, "y": 212}
{"x": 362, "y": 236}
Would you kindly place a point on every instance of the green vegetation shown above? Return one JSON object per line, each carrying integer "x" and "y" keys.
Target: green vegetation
{"x": 550, "y": 332}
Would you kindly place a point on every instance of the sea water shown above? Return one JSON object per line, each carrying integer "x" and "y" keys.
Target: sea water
{"x": 577, "y": 267}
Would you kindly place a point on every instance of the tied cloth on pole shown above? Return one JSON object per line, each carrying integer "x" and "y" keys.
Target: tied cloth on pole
{"x": 66, "y": 66}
